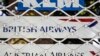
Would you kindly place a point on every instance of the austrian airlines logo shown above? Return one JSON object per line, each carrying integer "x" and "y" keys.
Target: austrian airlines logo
{"x": 93, "y": 53}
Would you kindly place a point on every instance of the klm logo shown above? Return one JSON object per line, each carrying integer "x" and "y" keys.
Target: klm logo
{"x": 50, "y": 4}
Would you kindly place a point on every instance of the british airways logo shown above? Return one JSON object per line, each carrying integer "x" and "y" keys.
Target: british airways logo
{"x": 82, "y": 20}
{"x": 50, "y": 4}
